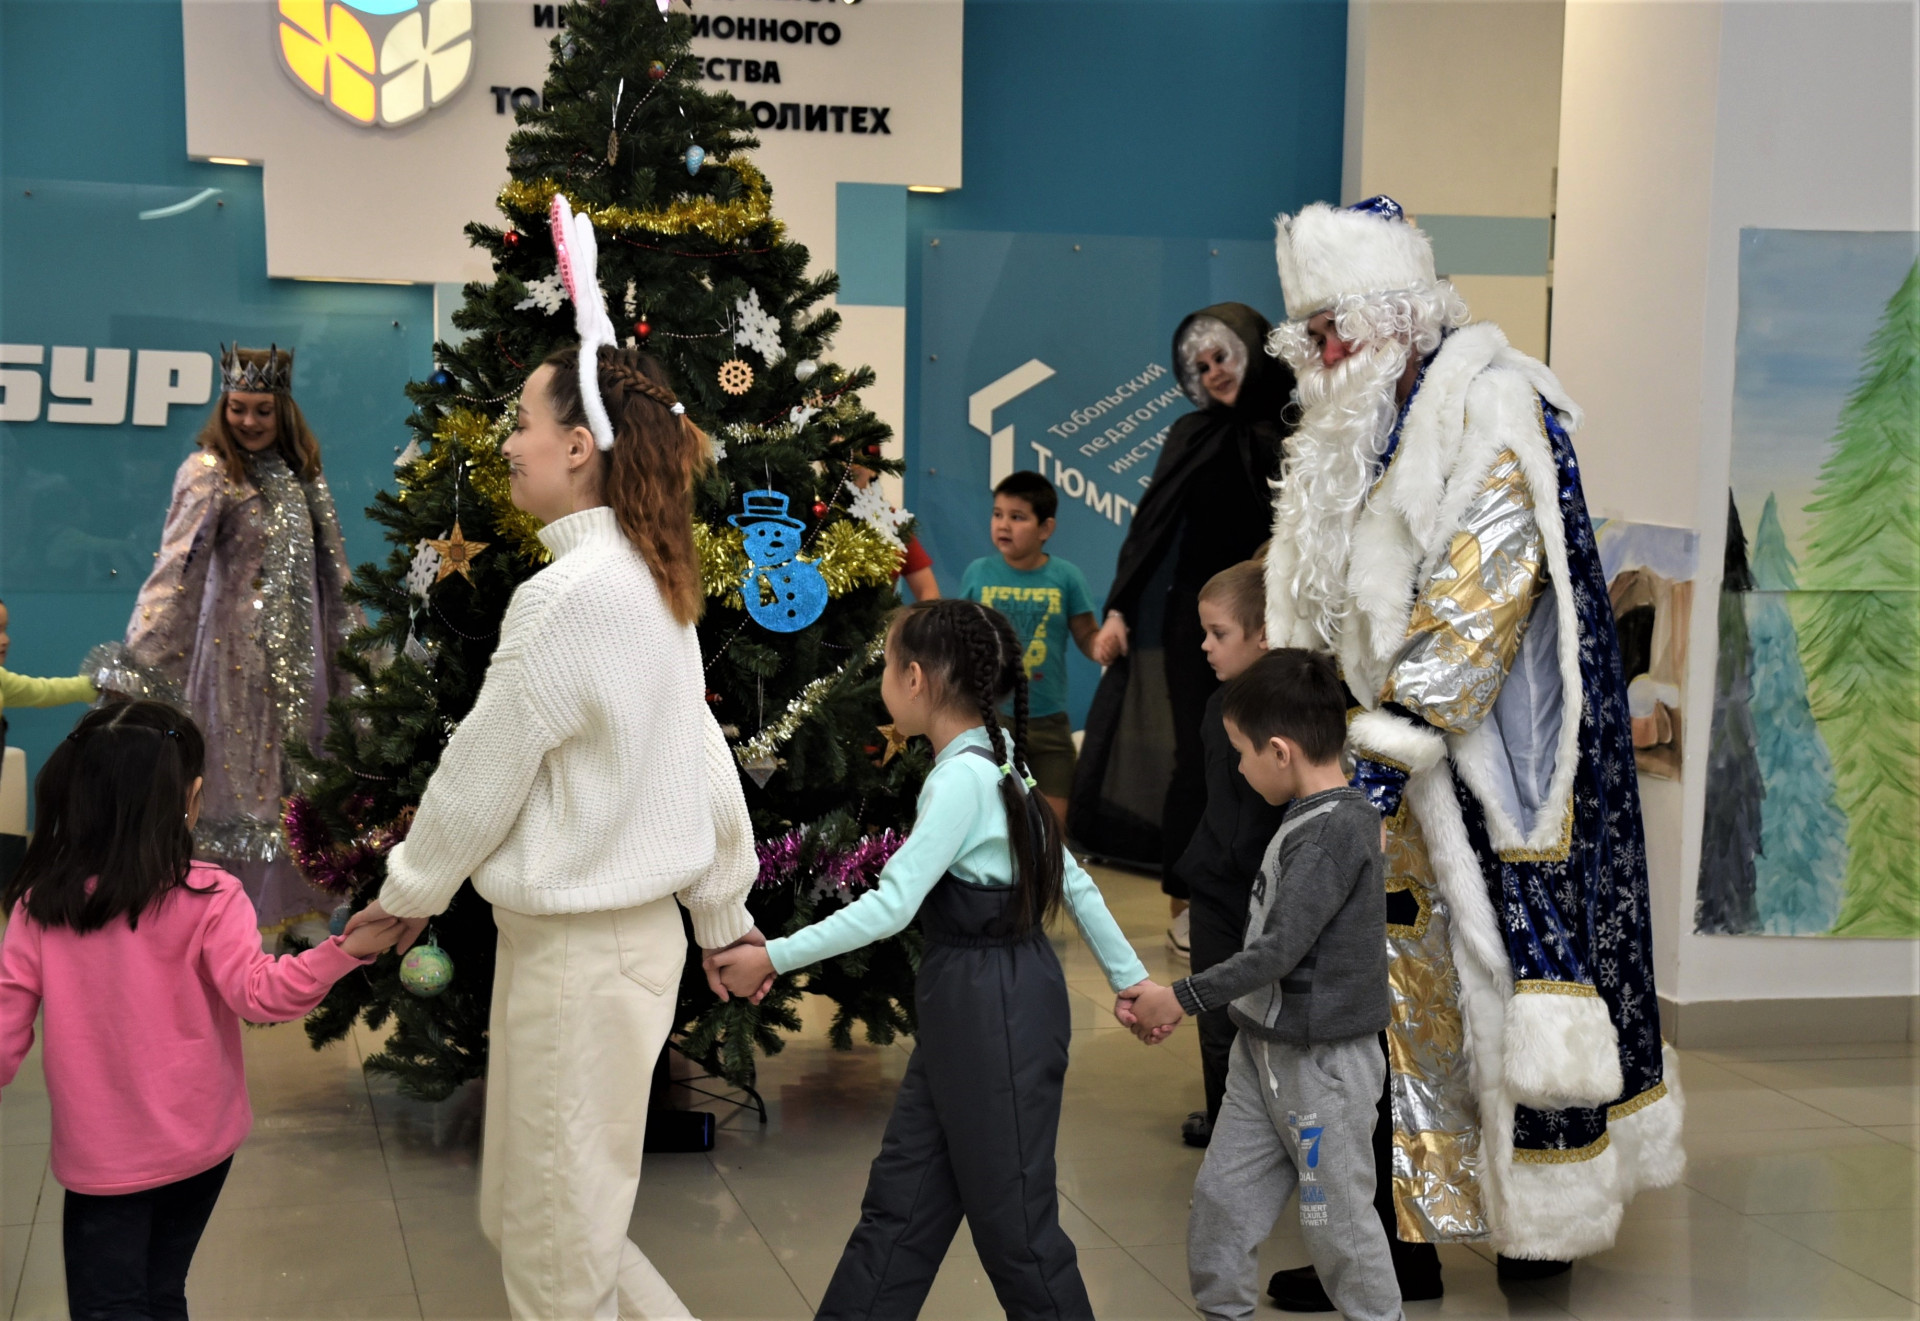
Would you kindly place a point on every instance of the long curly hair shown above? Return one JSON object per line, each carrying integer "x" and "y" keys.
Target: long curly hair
{"x": 973, "y": 658}
{"x": 649, "y": 473}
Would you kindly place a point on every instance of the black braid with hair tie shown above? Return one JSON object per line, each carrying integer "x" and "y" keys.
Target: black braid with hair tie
{"x": 977, "y": 657}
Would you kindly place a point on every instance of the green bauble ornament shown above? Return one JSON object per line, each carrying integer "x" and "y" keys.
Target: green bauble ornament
{"x": 426, "y": 970}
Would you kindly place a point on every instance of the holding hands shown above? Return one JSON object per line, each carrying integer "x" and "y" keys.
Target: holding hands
{"x": 741, "y": 969}
{"x": 1149, "y": 1010}
{"x": 366, "y": 938}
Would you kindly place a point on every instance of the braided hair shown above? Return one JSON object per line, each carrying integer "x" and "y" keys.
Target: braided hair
{"x": 110, "y": 834}
{"x": 974, "y": 659}
{"x": 649, "y": 473}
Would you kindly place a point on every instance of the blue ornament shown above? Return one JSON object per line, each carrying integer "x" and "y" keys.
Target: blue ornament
{"x": 695, "y": 156}
{"x": 772, "y": 540}
{"x": 337, "y": 924}
{"x": 441, "y": 378}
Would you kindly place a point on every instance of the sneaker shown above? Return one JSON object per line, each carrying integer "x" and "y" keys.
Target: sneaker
{"x": 1178, "y": 944}
{"x": 1196, "y": 1130}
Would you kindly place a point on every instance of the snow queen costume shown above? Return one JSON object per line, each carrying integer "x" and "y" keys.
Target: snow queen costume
{"x": 240, "y": 621}
{"x": 1442, "y": 550}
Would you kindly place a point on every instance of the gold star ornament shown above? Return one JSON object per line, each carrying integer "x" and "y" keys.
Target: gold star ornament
{"x": 456, "y": 554}
{"x": 896, "y": 743}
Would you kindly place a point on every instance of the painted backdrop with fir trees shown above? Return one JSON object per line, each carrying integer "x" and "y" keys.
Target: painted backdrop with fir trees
{"x": 697, "y": 269}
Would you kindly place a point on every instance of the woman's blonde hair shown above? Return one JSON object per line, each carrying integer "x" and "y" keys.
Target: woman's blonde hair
{"x": 648, "y": 474}
{"x": 294, "y": 439}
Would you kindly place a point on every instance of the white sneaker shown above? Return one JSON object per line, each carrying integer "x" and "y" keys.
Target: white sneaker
{"x": 1178, "y": 943}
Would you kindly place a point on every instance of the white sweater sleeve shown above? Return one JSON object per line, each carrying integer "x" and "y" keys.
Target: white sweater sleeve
{"x": 717, "y": 902}
{"x": 476, "y": 794}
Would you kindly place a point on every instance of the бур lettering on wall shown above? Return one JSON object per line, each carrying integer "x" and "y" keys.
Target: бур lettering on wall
{"x": 1813, "y": 781}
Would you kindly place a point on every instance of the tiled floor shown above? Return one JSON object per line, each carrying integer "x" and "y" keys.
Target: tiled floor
{"x": 1800, "y": 1199}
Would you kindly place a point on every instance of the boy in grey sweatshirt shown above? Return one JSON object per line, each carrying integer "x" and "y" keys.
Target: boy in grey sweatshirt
{"x": 1309, "y": 995}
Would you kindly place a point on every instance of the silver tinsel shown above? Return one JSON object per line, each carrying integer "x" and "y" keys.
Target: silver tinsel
{"x": 114, "y": 671}
{"x": 285, "y": 597}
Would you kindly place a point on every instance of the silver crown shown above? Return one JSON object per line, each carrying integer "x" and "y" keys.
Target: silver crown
{"x": 274, "y": 376}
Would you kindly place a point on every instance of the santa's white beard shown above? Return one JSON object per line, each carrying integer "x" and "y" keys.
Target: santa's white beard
{"x": 1347, "y": 416}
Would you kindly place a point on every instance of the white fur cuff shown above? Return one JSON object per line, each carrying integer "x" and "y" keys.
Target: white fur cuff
{"x": 1561, "y": 1048}
{"x": 1379, "y": 736}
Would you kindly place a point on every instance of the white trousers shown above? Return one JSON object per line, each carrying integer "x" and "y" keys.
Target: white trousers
{"x": 582, "y": 1005}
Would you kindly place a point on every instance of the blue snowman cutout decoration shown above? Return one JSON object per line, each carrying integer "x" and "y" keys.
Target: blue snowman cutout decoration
{"x": 772, "y": 541}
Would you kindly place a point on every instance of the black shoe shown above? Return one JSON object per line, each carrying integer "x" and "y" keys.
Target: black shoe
{"x": 1298, "y": 1290}
{"x": 1529, "y": 1268}
{"x": 1196, "y": 1130}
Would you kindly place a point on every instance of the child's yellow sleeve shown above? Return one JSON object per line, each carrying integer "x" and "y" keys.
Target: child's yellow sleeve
{"x": 20, "y": 690}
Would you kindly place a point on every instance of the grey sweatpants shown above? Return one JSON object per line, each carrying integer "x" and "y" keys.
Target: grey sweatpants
{"x": 1293, "y": 1117}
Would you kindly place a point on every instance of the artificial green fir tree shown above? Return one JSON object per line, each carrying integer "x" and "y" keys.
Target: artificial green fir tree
{"x": 1860, "y": 636}
{"x": 697, "y": 270}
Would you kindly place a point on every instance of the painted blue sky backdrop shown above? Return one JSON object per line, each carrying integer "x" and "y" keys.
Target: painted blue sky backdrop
{"x": 1809, "y": 302}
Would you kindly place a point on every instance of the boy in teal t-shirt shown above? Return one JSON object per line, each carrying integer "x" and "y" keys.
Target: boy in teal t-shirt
{"x": 1046, "y": 600}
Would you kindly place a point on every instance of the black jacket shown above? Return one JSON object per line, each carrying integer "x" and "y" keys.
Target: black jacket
{"x": 1221, "y": 862}
{"x": 1209, "y": 506}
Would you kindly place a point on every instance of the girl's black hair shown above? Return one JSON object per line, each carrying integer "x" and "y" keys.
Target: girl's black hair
{"x": 974, "y": 659}
{"x": 110, "y": 808}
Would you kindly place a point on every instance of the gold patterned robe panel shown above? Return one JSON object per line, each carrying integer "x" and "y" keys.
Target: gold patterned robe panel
{"x": 1436, "y": 1139}
{"x": 1472, "y": 610}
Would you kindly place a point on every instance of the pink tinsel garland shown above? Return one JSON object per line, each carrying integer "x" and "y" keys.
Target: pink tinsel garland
{"x": 337, "y": 868}
{"x": 783, "y": 859}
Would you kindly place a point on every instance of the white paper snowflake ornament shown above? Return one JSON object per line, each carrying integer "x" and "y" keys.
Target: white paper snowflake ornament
{"x": 757, "y": 328}
{"x": 871, "y": 508}
{"x": 425, "y": 571}
{"x": 546, "y": 293}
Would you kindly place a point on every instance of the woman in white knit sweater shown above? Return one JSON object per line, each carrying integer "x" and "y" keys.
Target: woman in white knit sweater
{"x": 588, "y": 789}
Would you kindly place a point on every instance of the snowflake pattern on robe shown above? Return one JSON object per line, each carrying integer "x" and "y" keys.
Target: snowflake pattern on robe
{"x": 1602, "y": 883}
{"x": 757, "y": 328}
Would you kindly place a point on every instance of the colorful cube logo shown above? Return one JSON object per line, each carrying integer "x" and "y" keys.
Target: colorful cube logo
{"x": 377, "y": 62}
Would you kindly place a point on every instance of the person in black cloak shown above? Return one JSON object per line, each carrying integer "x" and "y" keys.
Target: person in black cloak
{"x": 1140, "y": 790}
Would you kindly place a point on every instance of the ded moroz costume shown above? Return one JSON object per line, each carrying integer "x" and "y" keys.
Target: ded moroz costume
{"x": 1442, "y": 549}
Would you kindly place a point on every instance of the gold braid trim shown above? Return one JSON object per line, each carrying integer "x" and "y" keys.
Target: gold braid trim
{"x": 1557, "y": 1156}
{"x": 723, "y": 222}
{"x": 1553, "y": 852}
{"x": 1535, "y": 986}
{"x": 1615, "y": 1113}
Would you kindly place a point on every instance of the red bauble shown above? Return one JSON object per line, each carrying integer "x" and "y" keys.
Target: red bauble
{"x": 643, "y": 327}
{"x": 874, "y": 450}
{"x": 511, "y": 238}
{"x": 713, "y": 697}
{"x": 819, "y": 509}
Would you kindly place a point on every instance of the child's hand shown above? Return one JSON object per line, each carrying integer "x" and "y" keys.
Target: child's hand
{"x": 744, "y": 970}
{"x": 1155, "y": 1011}
{"x": 370, "y": 938}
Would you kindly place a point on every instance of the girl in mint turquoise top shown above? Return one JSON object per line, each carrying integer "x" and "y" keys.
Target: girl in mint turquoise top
{"x": 973, "y": 1127}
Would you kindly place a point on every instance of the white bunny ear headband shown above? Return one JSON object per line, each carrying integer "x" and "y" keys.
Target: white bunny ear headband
{"x": 573, "y": 243}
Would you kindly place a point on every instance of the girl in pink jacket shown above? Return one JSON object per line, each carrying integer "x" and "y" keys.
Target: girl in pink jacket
{"x": 143, "y": 963}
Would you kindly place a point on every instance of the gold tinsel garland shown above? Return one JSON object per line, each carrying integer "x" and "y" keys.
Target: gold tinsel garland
{"x": 723, "y": 222}
{"x": 468, "y": 433}
{"x": 848, "y": 554}
{"x": 771, "y": 737}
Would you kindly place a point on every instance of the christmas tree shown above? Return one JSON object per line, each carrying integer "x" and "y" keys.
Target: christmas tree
{"x": 1723, "y": 901}
{"x": 1861, "y": 634}
{"x": 697, "y": 270}
{"x": 1802, "y": 867}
